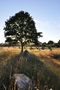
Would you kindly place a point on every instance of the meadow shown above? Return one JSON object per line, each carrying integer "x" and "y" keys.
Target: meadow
{"x": 50, "y": 58}
{"x": 47, "y": 66}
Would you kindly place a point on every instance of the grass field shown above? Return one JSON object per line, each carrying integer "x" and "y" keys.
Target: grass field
{"x": 51, "y": 60}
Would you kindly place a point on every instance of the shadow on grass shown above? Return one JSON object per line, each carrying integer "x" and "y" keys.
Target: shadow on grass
{"x": 42, "y": 78}
{"x": 30, "y": 65}
{"x": 56, "y": 56}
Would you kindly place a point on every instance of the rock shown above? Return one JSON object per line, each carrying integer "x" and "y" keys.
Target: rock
{"x": 25, "y": 53}
{"x": 20, "y": 82}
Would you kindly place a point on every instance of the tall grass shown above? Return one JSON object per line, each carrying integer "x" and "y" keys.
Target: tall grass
{"x": 41, "y": 76}
{"x": 34, "y": 66}
{"x": 7, "y": 57}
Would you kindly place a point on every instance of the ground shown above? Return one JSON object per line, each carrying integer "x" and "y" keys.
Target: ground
{"x": 51, "y": 60}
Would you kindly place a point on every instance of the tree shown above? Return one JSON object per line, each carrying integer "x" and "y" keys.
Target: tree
{"x": 50, "y": 44}
{"x": 58, "y": 44}
{"x": 44, "y": 45}
{"x": 21, "y": 28}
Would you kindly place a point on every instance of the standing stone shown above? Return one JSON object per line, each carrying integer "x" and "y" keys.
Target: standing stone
{"x": 20, "y": 82}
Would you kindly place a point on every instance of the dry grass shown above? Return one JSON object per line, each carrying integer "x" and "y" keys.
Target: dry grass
{"x": 50, "y": 58}
{"x": 8, "y": 54}
{"x": 46, "y": 53}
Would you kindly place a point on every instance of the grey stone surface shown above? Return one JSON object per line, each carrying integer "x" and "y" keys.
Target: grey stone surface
{"x": 21, "y": 82}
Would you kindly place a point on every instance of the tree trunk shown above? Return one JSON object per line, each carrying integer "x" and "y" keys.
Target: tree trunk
{"x": 21, "y": 47}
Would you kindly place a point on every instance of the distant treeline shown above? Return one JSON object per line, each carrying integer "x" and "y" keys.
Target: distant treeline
{"x": 49, "y": 44}
{"x": 7, "y": 45}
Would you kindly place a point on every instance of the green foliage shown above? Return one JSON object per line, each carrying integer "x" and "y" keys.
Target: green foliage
{"x": 21, "y": 28}
{"x": 44, "y": 45}
{"x": 58, "y": 44}
{"x": 11, "y": 41}
{"x": 50, "y": 44}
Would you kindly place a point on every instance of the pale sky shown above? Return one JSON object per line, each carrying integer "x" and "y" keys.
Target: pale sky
{"x": 45, "y": 13}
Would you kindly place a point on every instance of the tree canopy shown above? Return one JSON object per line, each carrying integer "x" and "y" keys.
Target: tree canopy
{"x": 20, "y": 28}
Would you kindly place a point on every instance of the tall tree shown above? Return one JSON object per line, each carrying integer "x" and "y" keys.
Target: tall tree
{"x": 44, "y": 45}
{"x": 58, "y": 44}
{"x": 21, "y": 29}
{"x": 50, "y": 44}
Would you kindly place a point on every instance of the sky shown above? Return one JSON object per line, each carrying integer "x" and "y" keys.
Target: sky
{"x": 45, "y": 13}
